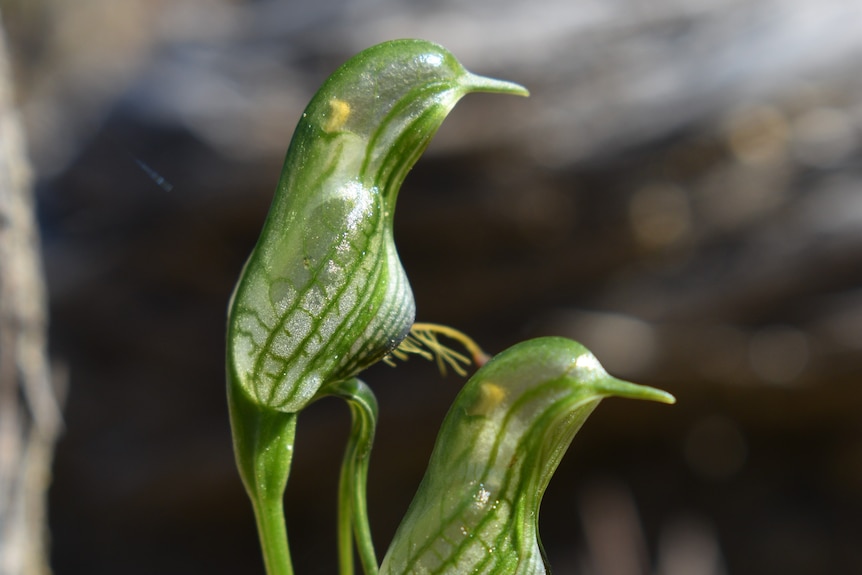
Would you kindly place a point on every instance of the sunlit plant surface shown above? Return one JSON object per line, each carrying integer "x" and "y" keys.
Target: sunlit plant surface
{"x": 323, "y": 296}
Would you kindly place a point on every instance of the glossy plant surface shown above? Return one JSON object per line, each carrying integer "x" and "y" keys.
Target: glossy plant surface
{"x": 477, "y": 508}
{"x": 323, "y": 295}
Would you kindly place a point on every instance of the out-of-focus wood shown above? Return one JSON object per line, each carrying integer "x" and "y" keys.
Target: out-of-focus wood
{"x": 29, "y": 414}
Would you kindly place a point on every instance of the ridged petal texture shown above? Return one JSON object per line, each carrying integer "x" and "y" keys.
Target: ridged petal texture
{"x": 323, "y": 294}
{"x": 476, "y": 510}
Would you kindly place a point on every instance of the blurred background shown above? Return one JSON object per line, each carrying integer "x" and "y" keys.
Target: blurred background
{"x": 682, "y": 193}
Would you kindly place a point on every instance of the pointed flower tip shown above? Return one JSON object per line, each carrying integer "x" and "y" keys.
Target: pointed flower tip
{"x": 618, "y": 388}
{"x": 476, "y": 83}
{"x": 661, "y": 396}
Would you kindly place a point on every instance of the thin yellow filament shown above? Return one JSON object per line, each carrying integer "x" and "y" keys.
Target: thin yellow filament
{"x": 423, "y": 341}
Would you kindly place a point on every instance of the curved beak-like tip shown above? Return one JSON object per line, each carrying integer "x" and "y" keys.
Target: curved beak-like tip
{"x": 613, "y": 387}
{"x": 476, "y": 83}
{"x": 661, "y": 396}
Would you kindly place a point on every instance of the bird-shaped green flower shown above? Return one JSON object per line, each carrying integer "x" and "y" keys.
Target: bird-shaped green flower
{"x": 324, "y": 294}
{"x": 477, "y": 508}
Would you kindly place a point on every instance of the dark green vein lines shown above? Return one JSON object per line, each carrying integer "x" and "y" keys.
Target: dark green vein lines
{"x": 477, "y": 508}
{"x": 324, "y": 295}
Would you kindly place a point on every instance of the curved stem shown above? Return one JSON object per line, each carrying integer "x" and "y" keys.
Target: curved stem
{"x": 263, "y": 445}
{"x": 352, "y": 507}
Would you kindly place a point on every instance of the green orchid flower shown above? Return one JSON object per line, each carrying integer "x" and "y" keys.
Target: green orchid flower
{"x": 477, "y": 509}
{"x": 323, "y": 295}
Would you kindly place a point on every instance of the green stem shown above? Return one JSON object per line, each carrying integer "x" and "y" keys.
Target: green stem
{"x": 352, "y": 507}
{"x": 263, "y": 445}
{"x": 273, "y": 537}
